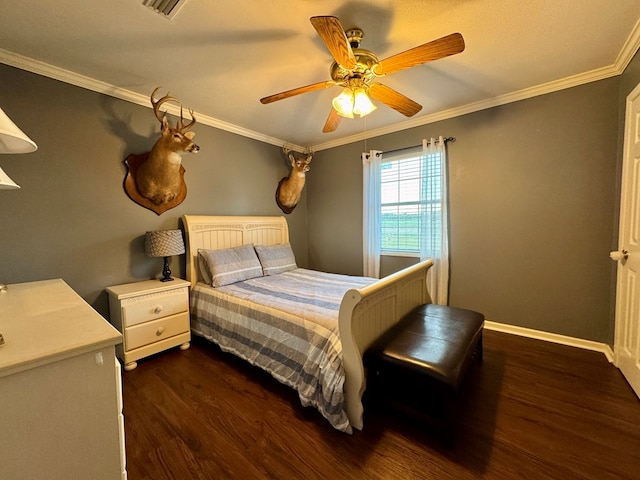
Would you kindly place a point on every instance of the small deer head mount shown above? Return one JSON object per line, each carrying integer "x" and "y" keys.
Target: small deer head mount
{"x": 159, "y": 178}
{"x": 290, "y": 188}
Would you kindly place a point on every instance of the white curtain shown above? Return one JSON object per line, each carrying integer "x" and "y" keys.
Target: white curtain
{"x": 371, "y": 216}
{"x": 435, "y": 218}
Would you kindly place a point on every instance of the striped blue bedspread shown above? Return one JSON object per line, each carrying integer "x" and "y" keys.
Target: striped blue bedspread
{"x": 286, "y": 324}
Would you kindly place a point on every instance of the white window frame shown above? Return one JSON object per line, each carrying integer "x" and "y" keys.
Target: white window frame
{"x": 408, "y": 191}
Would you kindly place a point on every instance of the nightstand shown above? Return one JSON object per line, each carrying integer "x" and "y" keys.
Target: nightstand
{"x": 152, "y": 316}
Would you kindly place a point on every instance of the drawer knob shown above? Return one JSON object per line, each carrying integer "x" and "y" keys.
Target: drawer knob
{"x": 158, "y": 309}
{"x": 159, "y": 331}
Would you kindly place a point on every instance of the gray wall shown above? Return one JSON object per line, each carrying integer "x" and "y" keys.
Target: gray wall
{"x": 534, "y": 198}
{"x": 533, "y": 201}
{"x": 72, "y": 219}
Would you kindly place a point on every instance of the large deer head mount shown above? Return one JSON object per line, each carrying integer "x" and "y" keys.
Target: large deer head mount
{"x": 159, "y": 178}
{"x": 290, "y": 188}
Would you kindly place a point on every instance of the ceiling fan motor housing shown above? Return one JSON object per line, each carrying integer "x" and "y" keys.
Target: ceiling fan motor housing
{"x": 365, "y": 60}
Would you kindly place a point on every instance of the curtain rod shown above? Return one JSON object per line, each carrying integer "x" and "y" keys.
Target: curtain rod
{"x": 448, "y": 139}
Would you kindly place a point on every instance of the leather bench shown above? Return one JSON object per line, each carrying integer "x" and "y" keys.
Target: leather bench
{"x": 425, "y": 356}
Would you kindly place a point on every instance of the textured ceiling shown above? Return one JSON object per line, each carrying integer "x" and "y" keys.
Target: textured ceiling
{"x": 220, "y": 57}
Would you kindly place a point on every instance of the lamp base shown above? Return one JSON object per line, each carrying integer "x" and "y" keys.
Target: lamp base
{"x": 166, "y": 273}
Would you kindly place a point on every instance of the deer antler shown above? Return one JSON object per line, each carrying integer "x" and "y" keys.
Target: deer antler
{"x": 290, "y": 152}
{"x": 183, "y": 128}
{"x": 158, "y": 103}
{"x": 308, "y": 152}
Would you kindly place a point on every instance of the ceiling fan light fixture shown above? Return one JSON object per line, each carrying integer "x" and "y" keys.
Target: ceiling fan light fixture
{"x": 343, "y": 103}
{"x": 362, "y": 104}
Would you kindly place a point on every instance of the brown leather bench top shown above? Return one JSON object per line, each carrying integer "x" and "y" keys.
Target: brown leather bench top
{"x": 433, "y": 340}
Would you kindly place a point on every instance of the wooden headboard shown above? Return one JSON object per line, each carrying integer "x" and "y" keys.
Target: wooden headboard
{"x": 216, "y": 232}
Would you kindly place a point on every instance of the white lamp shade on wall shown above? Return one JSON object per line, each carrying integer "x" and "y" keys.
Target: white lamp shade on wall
{"x": 12, "y": 140}
{"x": 6, "y": 182}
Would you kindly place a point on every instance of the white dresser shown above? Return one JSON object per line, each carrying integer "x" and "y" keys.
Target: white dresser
{"x": 60, "y": 387}
{"x": 152, "y": 316}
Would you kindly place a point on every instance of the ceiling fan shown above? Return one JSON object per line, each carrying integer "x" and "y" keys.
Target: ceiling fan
{"x": 355, "y": 69}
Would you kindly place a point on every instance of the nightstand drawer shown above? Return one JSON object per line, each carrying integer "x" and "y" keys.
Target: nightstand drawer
{"x": 156, "y": 330}
{"x": 154, "y": 306}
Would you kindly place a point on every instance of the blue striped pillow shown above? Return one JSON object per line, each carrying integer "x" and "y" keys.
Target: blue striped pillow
{"x": 231, "y": 265}
{"x": 276, "y": 259}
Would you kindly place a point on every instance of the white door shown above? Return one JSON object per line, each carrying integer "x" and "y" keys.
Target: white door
{"x": 627, "y": 337}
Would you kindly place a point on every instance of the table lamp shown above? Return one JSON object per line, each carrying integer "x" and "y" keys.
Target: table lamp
{"x": 164, "y": 243}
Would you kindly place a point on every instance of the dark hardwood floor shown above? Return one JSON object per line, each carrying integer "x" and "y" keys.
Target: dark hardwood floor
{"x": 531, "y": 410}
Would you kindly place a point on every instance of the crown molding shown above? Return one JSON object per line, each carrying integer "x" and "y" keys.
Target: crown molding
{"x": 625, "y": 56}
{"x": 72, "y": 78}
{"x": 629, "y": 49}
{"x": 549, "y": 87}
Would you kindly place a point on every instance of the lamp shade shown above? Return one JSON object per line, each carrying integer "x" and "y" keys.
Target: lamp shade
{"x": 164, "y": 243}
{"x": 6, "y": 182}
{"x": 343, "y": 103}
{"x": 362, "y": 105}
{"x": 12, "y": 139}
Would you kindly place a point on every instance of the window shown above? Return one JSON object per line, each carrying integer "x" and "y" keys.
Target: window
{"x": 405, "y": 210}
{"x": 410, "y": 203}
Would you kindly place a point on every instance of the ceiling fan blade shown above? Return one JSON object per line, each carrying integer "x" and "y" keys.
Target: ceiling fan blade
{"x": 332, "y": 121}
{"x": 297, "y": 91}
{"x": 393, "y": 99}
{"x": 440, "y": 48}
{"x": 332, "y": 34}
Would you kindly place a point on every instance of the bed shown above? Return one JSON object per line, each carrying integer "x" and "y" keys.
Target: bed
{"x": 315, "y": 347}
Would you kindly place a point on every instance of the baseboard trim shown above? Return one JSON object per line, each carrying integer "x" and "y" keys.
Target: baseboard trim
{"x": 551, "y": 337}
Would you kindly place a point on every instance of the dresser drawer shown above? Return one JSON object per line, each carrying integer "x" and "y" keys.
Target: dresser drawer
{"x": 153, "y": 306}
{"x": 156, "y": 330}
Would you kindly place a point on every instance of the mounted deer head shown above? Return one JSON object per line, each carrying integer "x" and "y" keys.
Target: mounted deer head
{"x": 290, "y": 188}
{"x": 158, "y": 177}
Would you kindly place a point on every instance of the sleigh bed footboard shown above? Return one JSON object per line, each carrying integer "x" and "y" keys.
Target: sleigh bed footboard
{"x": 367, "y": 313}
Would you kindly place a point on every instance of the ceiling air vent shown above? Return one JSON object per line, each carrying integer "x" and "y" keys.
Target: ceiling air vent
{"x": 166, "y": 8}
